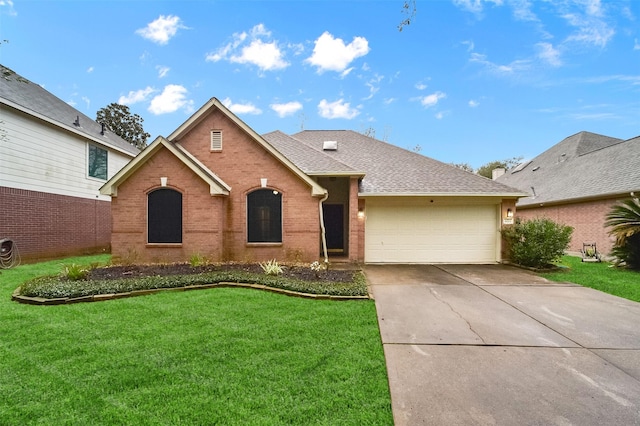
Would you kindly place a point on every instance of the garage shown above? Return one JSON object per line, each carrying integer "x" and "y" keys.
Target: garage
{"x": 431, "y": 230}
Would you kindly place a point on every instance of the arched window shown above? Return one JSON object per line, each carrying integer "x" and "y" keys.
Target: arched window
{"x": 164, "y": 216}
{"x": 264, "y": 216}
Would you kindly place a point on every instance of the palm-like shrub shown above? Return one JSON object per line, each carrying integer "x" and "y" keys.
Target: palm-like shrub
{"x": 624, "y": 221}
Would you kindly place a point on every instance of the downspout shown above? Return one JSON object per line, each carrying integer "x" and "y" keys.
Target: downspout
{"x": 322, "y": 230}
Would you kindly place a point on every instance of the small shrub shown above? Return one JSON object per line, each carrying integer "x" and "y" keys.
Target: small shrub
{"x": 271, "y": 267}
{"x": 537, "y": 243}
{"x": 318, "y": 267}
{"x": 74, "y": 272}
{"x": 197, "y": 259}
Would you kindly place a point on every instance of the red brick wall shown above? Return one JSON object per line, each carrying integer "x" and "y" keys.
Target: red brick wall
{"x": 46, "y": 226}
{"x": 586, "y": 218}
{"x": 216, "y": 226}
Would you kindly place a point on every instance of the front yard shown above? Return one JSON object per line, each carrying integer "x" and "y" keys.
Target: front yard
{"x": 600, "y": 276}
{"x": 219, "y": 356}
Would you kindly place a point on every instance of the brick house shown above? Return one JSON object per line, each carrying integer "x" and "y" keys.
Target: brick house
{"x": 53, "y": 161}
{"x": 216, "y": 188}
{"x": 576, "y": 182}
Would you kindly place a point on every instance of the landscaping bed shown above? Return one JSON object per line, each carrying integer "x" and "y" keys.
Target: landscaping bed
{"x": 121, "y": 279}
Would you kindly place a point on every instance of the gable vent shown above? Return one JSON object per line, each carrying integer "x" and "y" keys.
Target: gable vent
{"x": 216, "y": 140}
{"x": 330, "y": 146}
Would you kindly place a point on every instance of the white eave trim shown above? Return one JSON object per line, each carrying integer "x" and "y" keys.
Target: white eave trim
{"x": 442, "y": 194}
{"x": 65, "y": 127}
{"x": 216, "y": 185}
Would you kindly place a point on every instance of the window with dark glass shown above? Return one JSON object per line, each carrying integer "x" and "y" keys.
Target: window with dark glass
{"x": 264, "y": 216}
{"x": 97, "y": 162}
{"x": 164, "y": 207}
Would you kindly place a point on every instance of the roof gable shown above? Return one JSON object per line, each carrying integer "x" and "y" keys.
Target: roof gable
{"x": 213, "y": 103}
{"x": 582, "y": 166}
{"x": 19, "y": 93}
{"x": 216, "y": 185}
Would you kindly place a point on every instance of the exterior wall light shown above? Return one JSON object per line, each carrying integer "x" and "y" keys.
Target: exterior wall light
{"x": 163, "y": 181}
{"x": 509, "y": 213}
{"x": 360, "y": 214}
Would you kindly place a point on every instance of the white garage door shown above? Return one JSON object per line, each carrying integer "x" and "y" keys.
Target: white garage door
{"x": 417, "y": 231}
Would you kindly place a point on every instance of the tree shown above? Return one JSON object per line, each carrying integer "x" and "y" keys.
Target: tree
{"x": 624, "y": 220}
{"x": 487, "y": 169}
{"x": 409, "y": 9}
{"x": 464, "y": 166}
{"x": 119, "y": 120}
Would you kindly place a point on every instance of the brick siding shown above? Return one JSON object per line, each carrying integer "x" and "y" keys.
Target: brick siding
{"x": 46, "y": 226}
{"x": 586, "y": 218}
{"x": 215, "y": 227}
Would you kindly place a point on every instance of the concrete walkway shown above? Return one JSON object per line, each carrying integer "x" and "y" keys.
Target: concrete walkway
{"x": 497, "y": 345}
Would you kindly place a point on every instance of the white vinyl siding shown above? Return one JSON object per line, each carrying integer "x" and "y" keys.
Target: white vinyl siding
{"x": 418, "y": 231}
{"x": 40, "y": 157}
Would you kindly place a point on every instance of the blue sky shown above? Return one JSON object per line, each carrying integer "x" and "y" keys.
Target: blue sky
{"x": 468, "y": 81}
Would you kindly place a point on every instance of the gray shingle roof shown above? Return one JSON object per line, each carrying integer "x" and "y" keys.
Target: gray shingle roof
{"x": 585, "y": 165}
{"x": 35, "y": 100}
{"x": 309, "y": 160}
{"x": 388, "y": 169}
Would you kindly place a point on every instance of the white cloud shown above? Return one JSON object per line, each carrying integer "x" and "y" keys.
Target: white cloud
{"x": 246, "y": 108}
{"x": 86, "y": 101}
{"x": 470, "y": 45}
{"x": 636, "y": 44}
{"x": 346, "y": 72}
{"x": 267, "y": 56}
{"x": 590, "y": 24}
{"x": 374, "y": 85}
{"x": 432, "y": 99}
{"x": 420, "y": 86}
{"x": 440, "y": 115}
{"x": 284, "y": 110}
{"x": 337, "y": 109}
{"x": 255, "y": 48}
{"x": 9, "y": 4}
{"x": 162, "y": 71}
{"x": 136, "y": 96}
{"x": 522, "y": 10}
{"x": 475, "y": 6}
{"x": 549, "y": 54}
{"x": 162, "y": 29}
{"x": 332, "y": 54}
{"x": 389, "y": 101}
{"x": 172, "y": 98}
{"x": 90, "y": 70}
{"x": 473, "y": 103}
{"x": 515, "y": 66}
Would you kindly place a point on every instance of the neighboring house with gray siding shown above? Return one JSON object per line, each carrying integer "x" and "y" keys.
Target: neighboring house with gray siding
{"x": 53, "y": 160}
{"x": 576, "y": 182}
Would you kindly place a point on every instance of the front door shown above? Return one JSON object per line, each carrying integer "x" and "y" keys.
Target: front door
{"x": 334, "y": 227}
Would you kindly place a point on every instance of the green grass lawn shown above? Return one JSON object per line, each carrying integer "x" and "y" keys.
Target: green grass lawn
{"x": 221, "y": 356}
{"x": 601, "y": 276}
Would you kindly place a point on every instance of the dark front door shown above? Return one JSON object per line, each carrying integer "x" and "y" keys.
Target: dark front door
{"x": 334, "y": 227}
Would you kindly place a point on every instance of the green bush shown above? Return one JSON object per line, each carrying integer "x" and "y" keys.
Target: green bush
{"x": 537, "y": 243}
{"x": 74, "y": 272}
{"x": 51, "y": 287}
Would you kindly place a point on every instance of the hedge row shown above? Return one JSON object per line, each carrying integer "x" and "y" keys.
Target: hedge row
{"x": 51, "y": 287}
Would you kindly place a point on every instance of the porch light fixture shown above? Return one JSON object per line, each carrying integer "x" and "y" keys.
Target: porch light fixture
{"x": 163, "y": 181}
{"x": 263, "y": 182}
{"x": 509, "y": 213}
{"x": 360, "y": 214}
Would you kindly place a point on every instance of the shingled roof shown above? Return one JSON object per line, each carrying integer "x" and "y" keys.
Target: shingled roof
{"x": 582, "y": 166}
{"x": 19, "y": 93}
{"x": 387, "y": 169}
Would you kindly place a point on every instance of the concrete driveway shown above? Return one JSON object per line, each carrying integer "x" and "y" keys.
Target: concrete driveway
{"x": 497, "y": 345}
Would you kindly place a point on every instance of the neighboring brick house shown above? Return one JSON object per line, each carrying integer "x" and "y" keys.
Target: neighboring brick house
{"x": 576, "y": 182}
{"x": 53, "y": 161}
{"x": 216, "y": 188}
